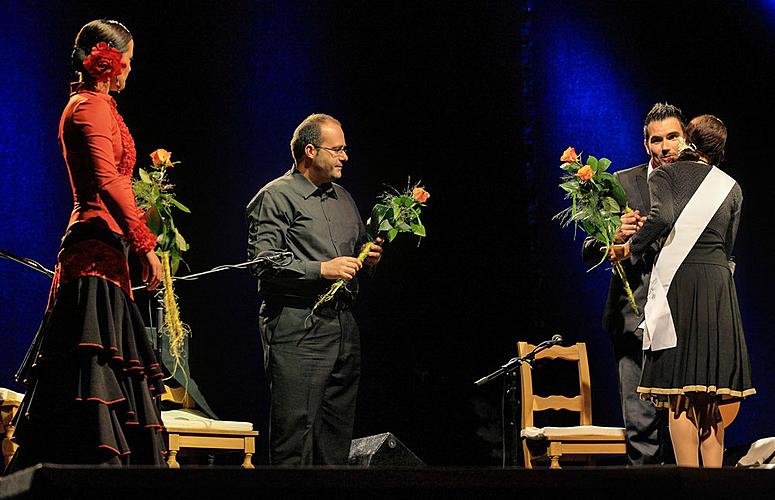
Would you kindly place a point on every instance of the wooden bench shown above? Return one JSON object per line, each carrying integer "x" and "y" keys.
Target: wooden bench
{"x": 188, "y": 429}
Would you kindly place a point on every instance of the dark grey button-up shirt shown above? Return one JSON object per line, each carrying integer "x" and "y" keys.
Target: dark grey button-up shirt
{"x": 316, "y": 224}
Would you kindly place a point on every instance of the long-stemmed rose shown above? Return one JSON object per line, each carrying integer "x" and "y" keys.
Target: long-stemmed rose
{"x": 396, "y": 212}
{"x": 597, "y": 203}
{"x": 154, "y": 194}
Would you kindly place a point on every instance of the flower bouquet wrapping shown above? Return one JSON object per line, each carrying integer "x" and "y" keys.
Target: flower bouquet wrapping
{"x": 395, "y": 212}
{"x": 154, "y": 194}
{"x": 597, "y": 203}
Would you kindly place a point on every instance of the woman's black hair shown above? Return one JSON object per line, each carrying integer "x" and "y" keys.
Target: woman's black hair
{"x": 709, "y": 136}
{"x": 100, "y": 30}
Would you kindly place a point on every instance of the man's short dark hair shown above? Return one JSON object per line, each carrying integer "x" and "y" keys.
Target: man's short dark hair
{"x": 662, "y": 111}
{"x": 308, "y": 132}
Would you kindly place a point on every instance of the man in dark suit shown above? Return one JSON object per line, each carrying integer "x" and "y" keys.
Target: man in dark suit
{"x": 645, "y": 429}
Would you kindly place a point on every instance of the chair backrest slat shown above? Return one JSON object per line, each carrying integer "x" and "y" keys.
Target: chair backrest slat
{"x": 557, "y": 403}
{"x": 531, "y": 403}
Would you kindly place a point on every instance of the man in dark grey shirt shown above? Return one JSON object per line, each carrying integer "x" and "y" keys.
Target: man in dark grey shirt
{"x": 312, "y": 360}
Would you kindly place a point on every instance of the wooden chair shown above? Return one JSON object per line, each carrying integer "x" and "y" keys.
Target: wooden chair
{"x": 9, "y": 404}
{"x": 584, "y": 439}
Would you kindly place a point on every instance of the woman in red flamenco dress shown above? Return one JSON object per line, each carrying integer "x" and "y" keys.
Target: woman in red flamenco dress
{"x": 91, "y": 374}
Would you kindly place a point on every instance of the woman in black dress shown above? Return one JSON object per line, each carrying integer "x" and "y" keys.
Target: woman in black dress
{"x": 709, "y": 364}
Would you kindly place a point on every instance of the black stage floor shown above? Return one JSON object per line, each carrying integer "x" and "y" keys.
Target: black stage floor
{"x": 78, "y": 482}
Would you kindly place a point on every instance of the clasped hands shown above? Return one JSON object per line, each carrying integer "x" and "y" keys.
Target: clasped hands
{"x": 631, "y": 223}
{"x": 347, "y": 267}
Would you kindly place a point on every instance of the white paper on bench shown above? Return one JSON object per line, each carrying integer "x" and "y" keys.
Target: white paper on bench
{"x": 193, "y": 420}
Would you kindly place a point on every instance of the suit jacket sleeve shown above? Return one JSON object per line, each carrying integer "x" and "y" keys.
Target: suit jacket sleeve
{"x": 661, "y": 217}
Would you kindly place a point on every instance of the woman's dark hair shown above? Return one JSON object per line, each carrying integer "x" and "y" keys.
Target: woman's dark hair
{"x": 100, "y": 30}
{"x": 709, "y": 137}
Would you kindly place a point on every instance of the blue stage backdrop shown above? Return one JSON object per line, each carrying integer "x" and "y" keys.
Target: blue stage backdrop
{"x": 34, "y": 194}
{"x": 583, "y": 97}
{"x": 478, "y": 101}
{"x": 597, "y": 69}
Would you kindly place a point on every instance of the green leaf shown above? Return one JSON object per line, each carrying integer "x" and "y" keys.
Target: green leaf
{"x": 604, "y": 163}
{"x": 144, "y": 176}
{"x": 174, "y": 262}
{"x": 617, "y": 193}
{"x": 392, "y": 234}
{"x": 153, "y": 220}
{"x": 180, "y": 205}
{"x": 377, "y": 214}
{"x": 162, "y": 241}
{"x": 592, "y": 162}
{"x": 605, "y": 177}
{"x": 570, "y": 186}
{"x": 611, "y": 205}
{"x": 181, "y": 241}
{"x": 385, "y": 226}
{"x": 418, "y": 229}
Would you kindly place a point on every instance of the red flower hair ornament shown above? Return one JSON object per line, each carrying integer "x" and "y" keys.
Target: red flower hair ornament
{"x": 103, "y": 62}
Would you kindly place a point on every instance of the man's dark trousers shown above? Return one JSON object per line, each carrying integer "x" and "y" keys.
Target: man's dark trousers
{"x": 313, "y": 365}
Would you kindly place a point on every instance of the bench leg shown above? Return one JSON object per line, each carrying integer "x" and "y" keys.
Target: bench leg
{"x": 555, "y": 452}
{"x": 172, "y": 461}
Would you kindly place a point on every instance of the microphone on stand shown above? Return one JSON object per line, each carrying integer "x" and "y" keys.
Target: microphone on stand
{"x": 556, "y": 339}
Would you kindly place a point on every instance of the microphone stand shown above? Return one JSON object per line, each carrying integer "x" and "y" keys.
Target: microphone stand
{"x": 269, "y": 259}
{"x": 26, "y": 262}
{"x": 280, "y": 259}
{"x": 511, "y": 395}
{"x": 157, "y": 348}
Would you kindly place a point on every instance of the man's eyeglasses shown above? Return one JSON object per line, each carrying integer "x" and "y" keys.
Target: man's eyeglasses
{"x": 335, "y": 151}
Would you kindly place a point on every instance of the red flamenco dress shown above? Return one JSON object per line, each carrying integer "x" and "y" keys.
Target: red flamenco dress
{"x": 91, "y": 372}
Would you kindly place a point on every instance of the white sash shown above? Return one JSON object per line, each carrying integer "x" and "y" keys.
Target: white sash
{"x": 658, "y": 328}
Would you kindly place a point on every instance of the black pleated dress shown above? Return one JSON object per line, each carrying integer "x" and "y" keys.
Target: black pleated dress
{"x": 711, "y": 357}
{"x": 91, "y": 373}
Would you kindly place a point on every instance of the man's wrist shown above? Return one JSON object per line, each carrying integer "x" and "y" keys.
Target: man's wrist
{"x": 313, "y": 270}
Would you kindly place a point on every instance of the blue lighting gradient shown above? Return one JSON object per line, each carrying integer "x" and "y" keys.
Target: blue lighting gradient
{"x": 592, "y": 90}
{"x": 34, "y": 197}
{"x": 582, "y": 99}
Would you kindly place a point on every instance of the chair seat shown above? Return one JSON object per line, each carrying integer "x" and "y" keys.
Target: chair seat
{"x": 574, "y": 433}
{"x": 9, "y": 405}
{"x": 760, "y": 454}
{"x": 9, "y": 397}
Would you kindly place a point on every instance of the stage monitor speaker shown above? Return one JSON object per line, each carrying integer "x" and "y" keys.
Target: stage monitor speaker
{"x": 381, "y": 450}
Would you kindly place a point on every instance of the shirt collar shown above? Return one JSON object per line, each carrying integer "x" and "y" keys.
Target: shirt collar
{"x": 650, "y": 169}
{"x": 305, "y": 188}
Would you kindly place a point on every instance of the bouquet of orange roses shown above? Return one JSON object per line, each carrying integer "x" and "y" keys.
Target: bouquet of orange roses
{"x": 597, "y": 203}
{"x": 395, "y": 212}
{"x": 154, "y": 194}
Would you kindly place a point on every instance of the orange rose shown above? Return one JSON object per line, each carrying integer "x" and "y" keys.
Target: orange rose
{"x": 420, "y": 194}
{"x": 569, "y": 156}
{"x": 161, "y": 157}
{"x": 585, "y": 173}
